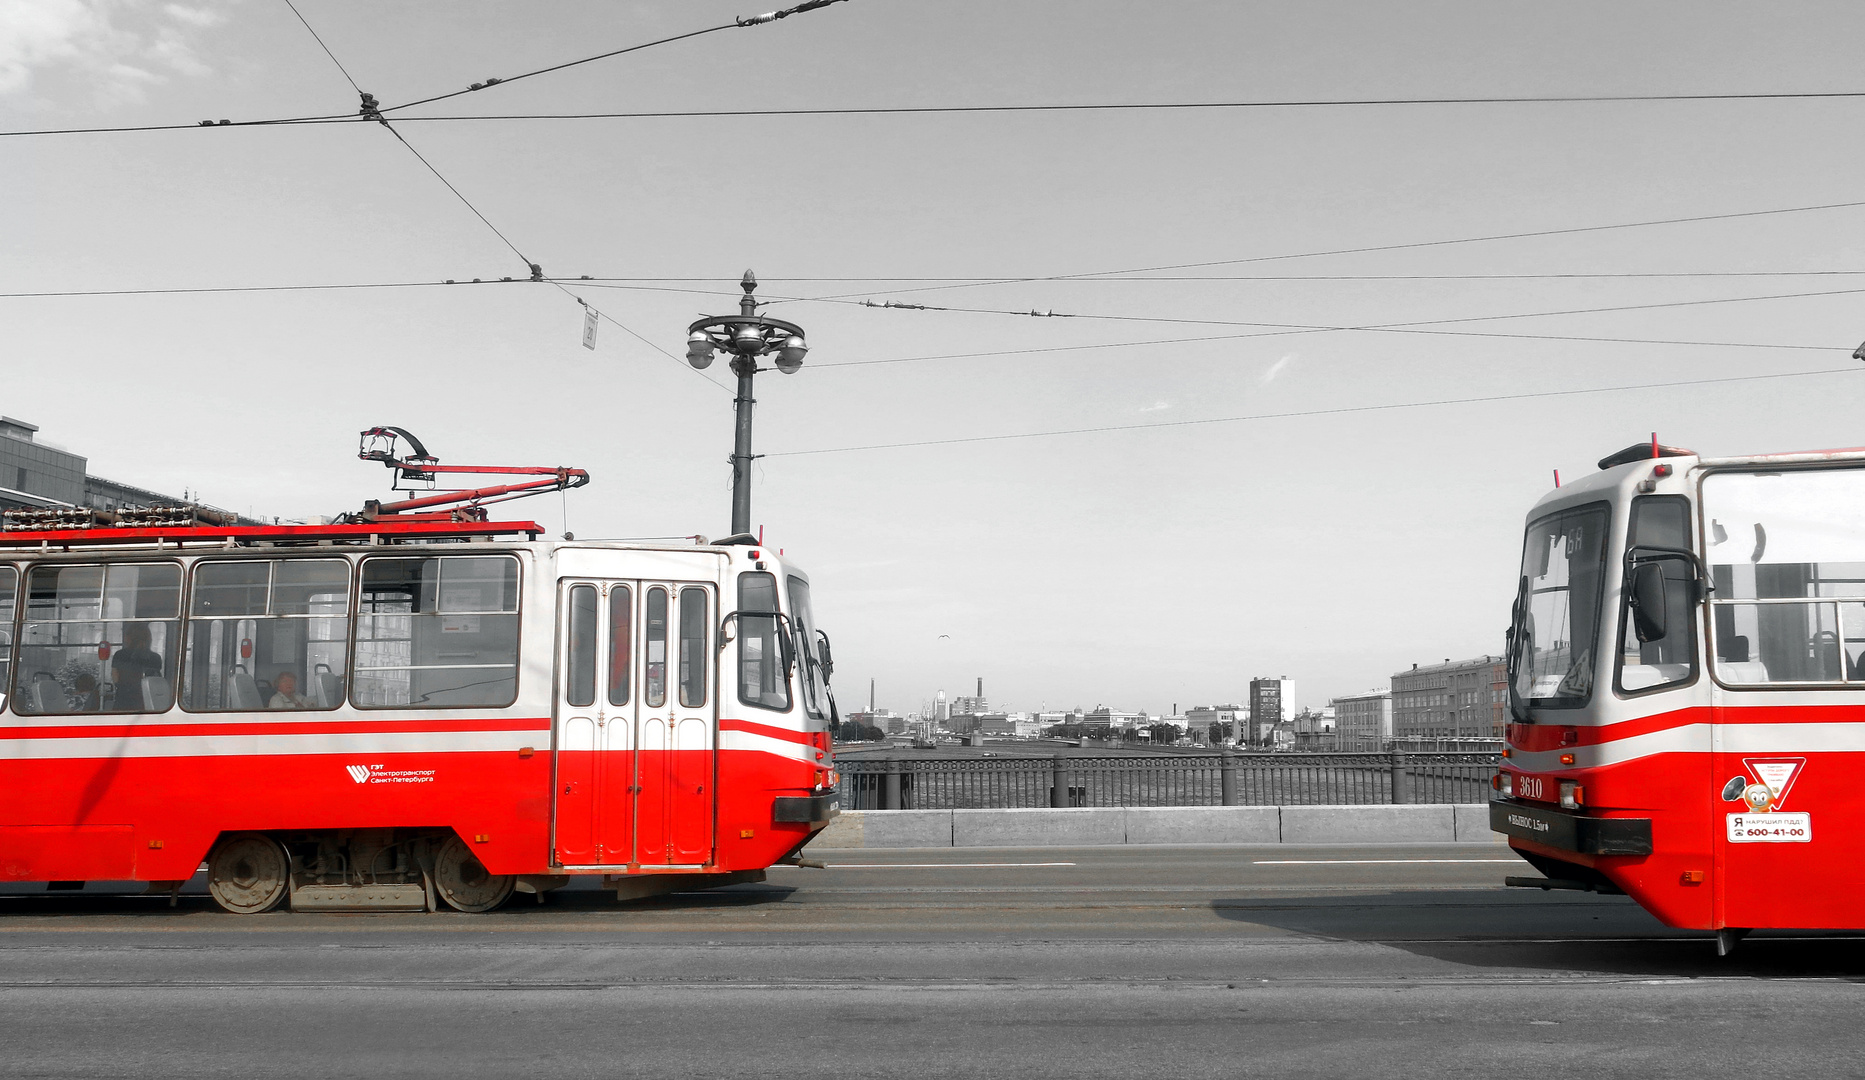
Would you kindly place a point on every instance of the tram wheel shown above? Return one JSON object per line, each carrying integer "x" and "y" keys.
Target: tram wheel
{"x": 463, "y": 882}
{"x": 248, "y": 873}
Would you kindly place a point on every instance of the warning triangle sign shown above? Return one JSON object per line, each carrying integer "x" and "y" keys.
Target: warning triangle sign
{"x": 1778, "y": 774}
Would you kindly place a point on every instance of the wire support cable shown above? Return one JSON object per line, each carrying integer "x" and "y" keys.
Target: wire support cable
{"x": 1303, "y": 413}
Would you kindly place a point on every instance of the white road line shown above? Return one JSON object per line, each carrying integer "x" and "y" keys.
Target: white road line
{"x": 926, "y": 865}
{"x": 1370, "y": 862}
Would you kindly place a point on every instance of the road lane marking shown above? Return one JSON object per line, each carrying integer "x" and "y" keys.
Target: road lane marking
{"x": 1370, "y": 862}
{"x": 925, "y": 865}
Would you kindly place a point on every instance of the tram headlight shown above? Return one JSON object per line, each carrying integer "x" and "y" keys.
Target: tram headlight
{"x": 1504, "y": 783}
{"x": 1573, "y": 796}
{"x": 699, "y": 350}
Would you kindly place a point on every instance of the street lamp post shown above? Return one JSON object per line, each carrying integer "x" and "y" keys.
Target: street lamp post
{"x": 746, "y": 336}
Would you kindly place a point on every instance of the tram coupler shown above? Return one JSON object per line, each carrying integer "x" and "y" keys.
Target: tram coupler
{"x": 1564, "y": 884}
{"x": 798, "y": 860}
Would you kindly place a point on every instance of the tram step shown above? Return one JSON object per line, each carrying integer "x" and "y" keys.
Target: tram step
{"x": 359, "y": 898}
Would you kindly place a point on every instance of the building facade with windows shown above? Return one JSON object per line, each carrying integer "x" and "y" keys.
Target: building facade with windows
{"x": 1458, "y": 699}
{"x": 1272, "y": 703}
{"x": 1363, "y": 721}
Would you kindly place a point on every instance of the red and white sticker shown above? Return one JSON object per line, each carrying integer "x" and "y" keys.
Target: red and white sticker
{"x": 1774, "y": 828}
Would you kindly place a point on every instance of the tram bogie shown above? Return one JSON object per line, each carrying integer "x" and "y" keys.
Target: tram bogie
{"x": 1687, "y": 688}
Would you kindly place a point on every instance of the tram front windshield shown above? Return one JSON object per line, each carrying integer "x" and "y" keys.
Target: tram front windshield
{"x": 1554, "y": 640}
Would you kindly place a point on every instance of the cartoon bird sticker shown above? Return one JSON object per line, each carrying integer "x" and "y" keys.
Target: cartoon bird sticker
{"x": 1773, "y": 780}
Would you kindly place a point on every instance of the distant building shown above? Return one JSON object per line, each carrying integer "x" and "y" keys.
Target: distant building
{"x": 969, "y": 706}
{"x": 1103, "y": 716}
{"x": 886, "y": 719}
{"x": 1272, "y": 702}
{"x": 1458, "y": 699}
{"x": 1363, "y": 721}
{"x": 38, "y": 475}
{"x": 1232, "y": 718}
{"x": 1314, "y": 728}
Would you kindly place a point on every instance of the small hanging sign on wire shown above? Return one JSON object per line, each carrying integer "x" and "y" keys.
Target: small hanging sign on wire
{"x": 589, "y": 326}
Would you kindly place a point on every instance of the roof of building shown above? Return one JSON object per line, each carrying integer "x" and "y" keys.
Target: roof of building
{"x": 1449, "y": 665}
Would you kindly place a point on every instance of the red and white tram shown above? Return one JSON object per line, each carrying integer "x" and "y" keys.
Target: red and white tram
{"x": 1687, "y": 683}
{"x": 402, "y": 712}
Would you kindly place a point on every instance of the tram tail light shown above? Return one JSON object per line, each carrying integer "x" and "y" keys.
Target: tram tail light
{"x": 1573, "y": 796}
{"x": 1567, "y": 759}
{"x": 1504, "y": 783}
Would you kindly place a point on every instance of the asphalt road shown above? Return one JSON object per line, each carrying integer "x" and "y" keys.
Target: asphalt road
{"x": 1119, "y": 962}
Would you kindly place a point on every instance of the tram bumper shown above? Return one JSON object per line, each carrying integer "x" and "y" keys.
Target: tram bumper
{"x": 809, "y": 809}
{"x": 1568, "y": 831}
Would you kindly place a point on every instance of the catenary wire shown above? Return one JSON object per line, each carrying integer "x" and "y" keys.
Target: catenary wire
{"x": 1242, "y": 337}
{"x": 536, "y": 274}
{"x": 1316, "y": 328}
{"x": 1407, "y": 246}
{"x": 1301, "y": 413}
{"x": 1156, "y": 106}
{"x": 315, "y": 36}
{"x": 639, "y": 283}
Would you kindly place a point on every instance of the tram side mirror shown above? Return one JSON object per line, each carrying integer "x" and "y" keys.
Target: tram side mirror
{"x": 1647, "y": 600}
{"x": 828, "y": 657}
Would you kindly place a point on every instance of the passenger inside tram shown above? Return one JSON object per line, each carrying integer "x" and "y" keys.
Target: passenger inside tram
{"x": 285, "y": 693}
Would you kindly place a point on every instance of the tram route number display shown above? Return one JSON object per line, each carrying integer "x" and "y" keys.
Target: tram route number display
{"x": 1775, "y": 828}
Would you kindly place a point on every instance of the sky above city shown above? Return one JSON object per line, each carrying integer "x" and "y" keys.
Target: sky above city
{"x": 1162, "y": 491}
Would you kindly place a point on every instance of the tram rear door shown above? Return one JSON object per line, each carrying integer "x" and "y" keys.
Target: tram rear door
{"x": 635, "y": 726}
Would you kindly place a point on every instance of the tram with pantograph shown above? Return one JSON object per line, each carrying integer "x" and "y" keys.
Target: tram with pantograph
{"x": 407, "y": 708}
{"x": 1687, "y": 687}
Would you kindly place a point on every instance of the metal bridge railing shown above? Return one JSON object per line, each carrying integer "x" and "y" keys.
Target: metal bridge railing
{"x": 902, "y": 782}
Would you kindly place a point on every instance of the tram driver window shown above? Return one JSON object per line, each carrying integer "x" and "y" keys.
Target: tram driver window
{"x": 99, "y": 639}
{"x": 267, "y": 634}
{"x": 762, "y": 680}
{"x": 1660, "y": 522}
{"x": 437, "y": 632}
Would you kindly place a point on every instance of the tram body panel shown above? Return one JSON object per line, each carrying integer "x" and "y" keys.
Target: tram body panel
{"x": 88, "y": 795}
{"x": 1740, "y": 761}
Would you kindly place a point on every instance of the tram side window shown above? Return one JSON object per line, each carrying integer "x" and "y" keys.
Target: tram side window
{"x": 9, "y": 590}
{"x": 1787, "y": 557}
{"x": 1660, "y": 522}
{"x": 267, "y": 634}
{"x": 693, "y": 650}
{"x": 762, "y": 680}
{"x": 99, "y": 638}
{"x": 439, "y": 631}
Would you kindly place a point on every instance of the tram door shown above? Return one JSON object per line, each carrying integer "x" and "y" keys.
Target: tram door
{"x": 675, "y": 724}
{"x": 595, "y": 717}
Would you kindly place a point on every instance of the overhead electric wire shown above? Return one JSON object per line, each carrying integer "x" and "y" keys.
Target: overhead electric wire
{"x": 903, "y": 110}
{"x": 1406, "y": 246}
{"x": 536, "y": 273}
{"x": 340, "y": 118}
{"x": 319, "y": 38}
{"x": 1286, "y": 277}
{"x": 476, "y": 87}
{"x": 1150, "y": 106}
{"x": 1301, "y": 413}
{"x": 1318, "y": 328}
{"x": 816, "y": 366}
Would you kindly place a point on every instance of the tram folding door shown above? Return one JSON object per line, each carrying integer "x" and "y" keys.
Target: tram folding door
{"x": 635, "y": 724}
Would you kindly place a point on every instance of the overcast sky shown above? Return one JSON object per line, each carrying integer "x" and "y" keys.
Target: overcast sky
{"x": 1135, "y": 568}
